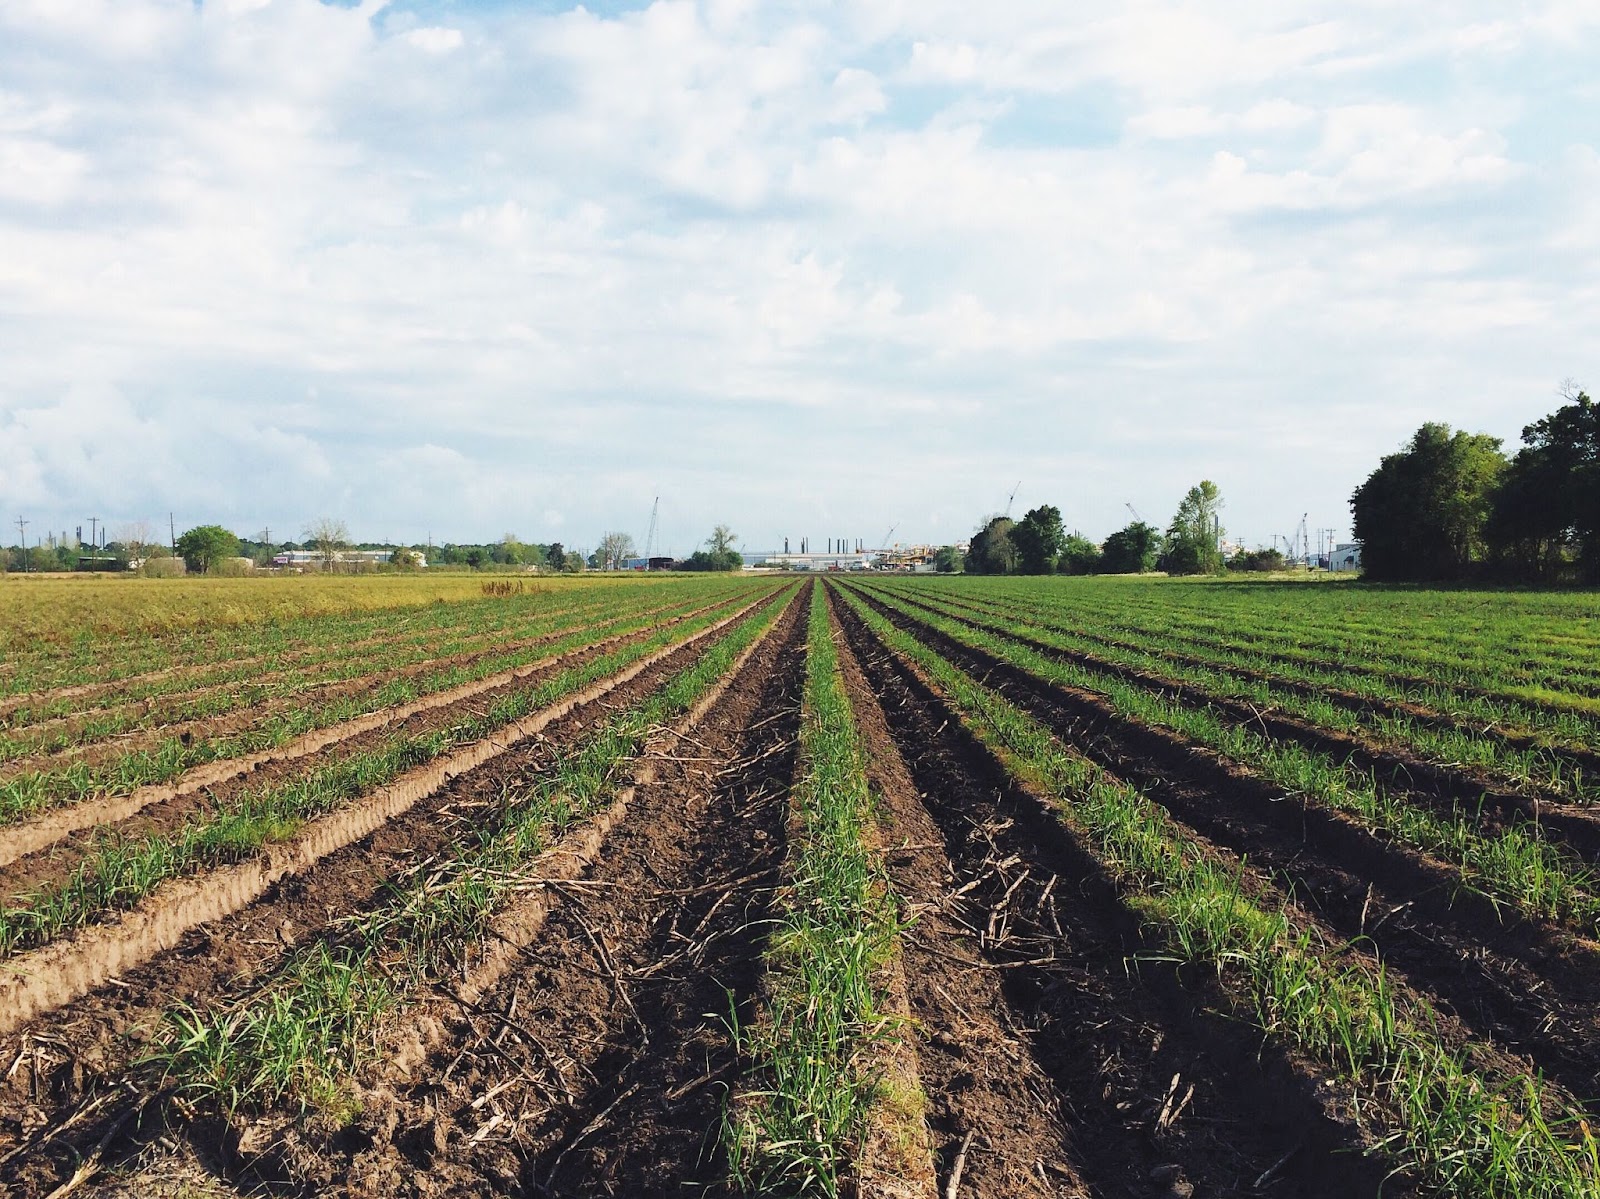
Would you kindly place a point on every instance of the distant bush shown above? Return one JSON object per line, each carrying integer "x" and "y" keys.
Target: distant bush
{"x": 1261, "y": 561}
{"x": 712, "y": 560}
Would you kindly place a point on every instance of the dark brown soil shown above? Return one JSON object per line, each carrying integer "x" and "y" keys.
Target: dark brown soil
{"x": 1397, "y": 766}
{"x": 976, "y": 1056}
{"x": 63, "y": 856}
{"x": 159, "y": 717}
{"x": 278, "y": 666}
{"x": 84, "y": 1054}
{"x": 1112, "y": 1025}
{"x": 1532, "y": 990}
{"x": 266, "y": 704}
{"x": 600, "y": 1066}
{"x": 1352, "y": 700}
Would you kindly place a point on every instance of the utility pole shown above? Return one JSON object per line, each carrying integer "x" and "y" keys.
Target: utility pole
{"x": 172, "y": 530}
{"x": 22, "y": 531}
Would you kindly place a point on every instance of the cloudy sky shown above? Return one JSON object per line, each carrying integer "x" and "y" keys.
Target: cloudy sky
{"x": 808, "y": 268}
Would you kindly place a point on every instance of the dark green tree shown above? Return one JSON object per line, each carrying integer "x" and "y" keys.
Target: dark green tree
{"x": 947, "y": 560}
{"x": 1131, "y": 550}
{"x": 1039, "y": 540}
{"x": 719, "y": 554}
{"x": 991, "y": 551}
{"x": 1079, "y": 556}
{"x": 203, "y": 546}
{"x": 1422, "y": 515}
{"x": 556, "y": 555}
{"x": 1194, "y": 538}
{"x": 1547, "y": 507}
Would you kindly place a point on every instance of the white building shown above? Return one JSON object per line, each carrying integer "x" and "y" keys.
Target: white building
{"x": 1346, "y": 556}
{"x": 315, "y": 557}
{"x": 862, "y": 561}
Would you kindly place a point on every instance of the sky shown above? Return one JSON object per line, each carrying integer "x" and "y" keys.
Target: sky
{"x": 458, "y": 269}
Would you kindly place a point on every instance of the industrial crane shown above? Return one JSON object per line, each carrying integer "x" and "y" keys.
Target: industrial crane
{"x": 1012, "y": 497}
{"x": 1135, "y": 512}
{"x": 650, "y": 537}
{"x": 886, "y": 536}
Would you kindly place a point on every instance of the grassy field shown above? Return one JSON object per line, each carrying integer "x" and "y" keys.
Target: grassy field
{"x": 913, "y": 886}
{"x": 65, "y": 611}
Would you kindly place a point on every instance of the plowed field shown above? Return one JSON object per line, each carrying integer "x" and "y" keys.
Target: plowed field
{"x": 863, "y": 886}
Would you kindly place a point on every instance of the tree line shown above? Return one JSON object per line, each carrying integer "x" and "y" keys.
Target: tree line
{"x": 1039, "y": 544}
{"x": 213, "y": 549}
{"x": 1451, "y": 506}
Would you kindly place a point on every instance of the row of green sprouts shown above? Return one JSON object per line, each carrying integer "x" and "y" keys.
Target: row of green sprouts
{"x": 25, "y": 793}
{"x": 56, "y": 723}
{"x": 1476, "y": 739}
{"x": 119, "y": 871}
{"x": 814, "y": 1080}
{"x": 1512, "y": 863}
{"x": 1459, "y": 1125}
{"x": 303, "y": 1035}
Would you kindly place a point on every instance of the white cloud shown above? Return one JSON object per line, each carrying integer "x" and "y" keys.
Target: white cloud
{"x": 435, "y": 39}
{"x": 533, "y": 264}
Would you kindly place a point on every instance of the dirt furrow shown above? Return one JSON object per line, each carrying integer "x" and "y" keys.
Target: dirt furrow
{"x": 1529, "y": 988}
{"x": 79, "y": 1054}
{"x": 1121, "y": 1037}
{"x": 596, "y": 1065}
{"x": 986, "y": 1090}
{"x": 1396, "y": 766}
{"x": 62, "y": 856}
{"x": 58, "y": 973}
{"x": 154, "y": 719}
{"x": 52, "y": 826}
{"x": 11, "y": 703}
{"x": 1354, "y": 701}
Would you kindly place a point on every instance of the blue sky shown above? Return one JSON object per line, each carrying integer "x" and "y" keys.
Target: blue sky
{"x": 470, "y": 268}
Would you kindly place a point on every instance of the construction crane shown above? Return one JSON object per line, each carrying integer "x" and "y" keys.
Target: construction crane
{"x": 650, "y": 537}
{"x": 1135, "y": 512}
{"x": 1012, "y": 497}
{"x": 886, "y": 536}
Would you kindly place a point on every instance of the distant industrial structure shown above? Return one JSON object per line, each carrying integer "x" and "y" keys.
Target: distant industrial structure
{"x": 304, "y": 558}
{"x": 848, "y": 560}
{"x": 1345, "y": 556}
{"x": 842, "y": 553}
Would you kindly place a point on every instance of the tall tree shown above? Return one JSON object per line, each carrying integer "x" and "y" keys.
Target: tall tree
{"x": 614, "y": 547}
{"x": 510, "y": 551}
{"x": 1421, "y": 516}
{"x": 991, "y": 551}
{"x": 1131, "y": 550}
{"x": 204, "y": 546}
{"x": 1039, "y": 540}
{"x": 1194, "y": 539}
{"x": 719, "y": 554}
{"x": 327, "y": 535}
{"x": 1548, "y": 503}
{"x": 555, "y": 556}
